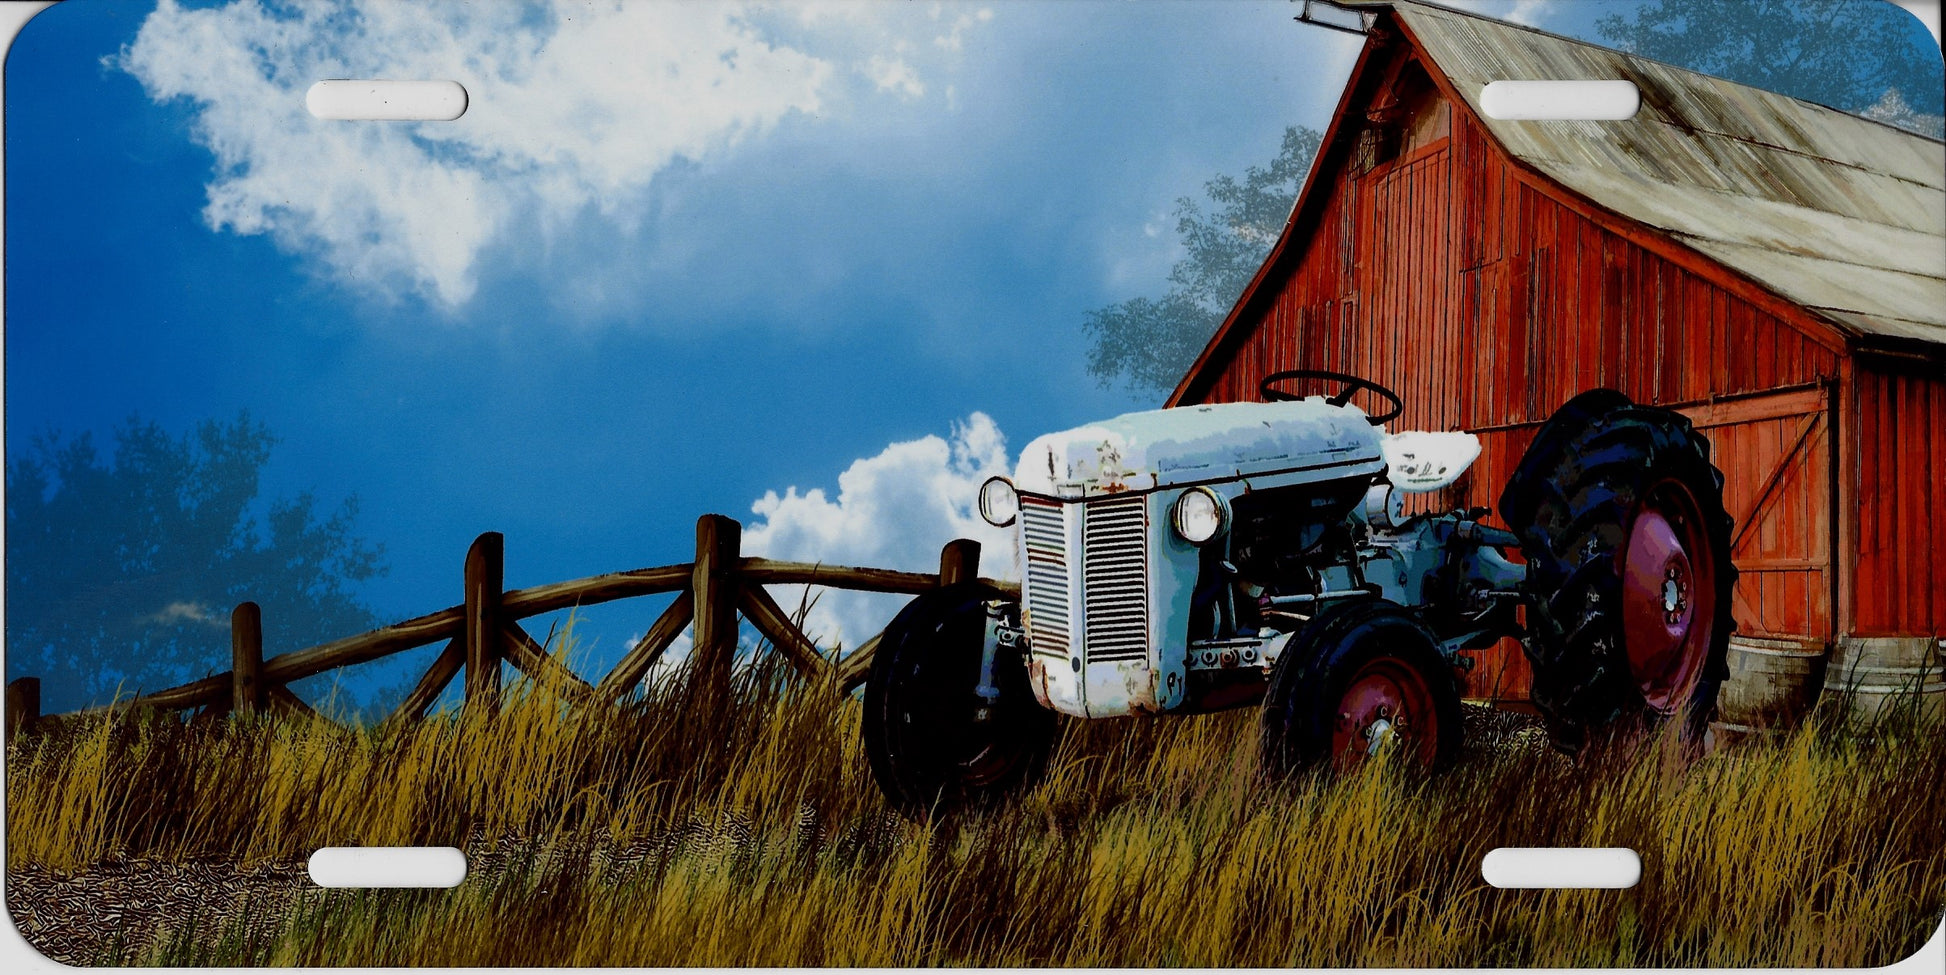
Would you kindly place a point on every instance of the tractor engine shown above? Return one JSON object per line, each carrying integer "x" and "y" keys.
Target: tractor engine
{"x": 1281, "y": 537}
{"x": 1168, "y": 557}
{"x": 1150, "y": 542}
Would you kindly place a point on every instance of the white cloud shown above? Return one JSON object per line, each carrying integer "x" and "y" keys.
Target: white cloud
{"x": 181, "y": 611}
{"x": 575, "y": 106}
{"x": 1530, "y": 12}
{"x": 670, "y": 663}
{"x": 1893, "y": 109}
{"x": 893, "y": 510}
{"x": 894, "y": 74}
{"x": 955, "y": 38}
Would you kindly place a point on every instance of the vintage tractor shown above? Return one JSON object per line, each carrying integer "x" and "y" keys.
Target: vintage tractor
{"x": 1200, "y": 558}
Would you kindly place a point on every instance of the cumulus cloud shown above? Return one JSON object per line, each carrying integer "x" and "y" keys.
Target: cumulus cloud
{"x": 1530, "y": 12}
{"x": 575, "y": 107}
{"x": 893, "y": 510}
{"x": 670, "y": 666}
{"x": 192, "y": 612}
{"x": 894, "y": 74}
{"x": 955, "y": 37}
{"x": 670, "y": 663}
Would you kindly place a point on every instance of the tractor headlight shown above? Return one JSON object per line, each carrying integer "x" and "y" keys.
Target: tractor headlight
{"x": 999, "y": 502}
{"x": 1200, "y": 515}
{"x": 1384, "y": 506}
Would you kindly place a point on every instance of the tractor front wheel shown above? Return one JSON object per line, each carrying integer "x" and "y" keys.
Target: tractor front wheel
{"x": 1360, "y": 679}
{"x": 932, "y": 742}
{"x": 1621, "y": 521}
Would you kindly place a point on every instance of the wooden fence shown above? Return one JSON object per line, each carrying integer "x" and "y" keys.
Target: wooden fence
{"x": 485, "y": 629}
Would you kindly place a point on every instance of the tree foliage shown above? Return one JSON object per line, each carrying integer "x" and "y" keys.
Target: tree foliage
{"x": 1847, "y": 54}
{"x": 1148, "y": 343}
{"x": 121, "y": 576}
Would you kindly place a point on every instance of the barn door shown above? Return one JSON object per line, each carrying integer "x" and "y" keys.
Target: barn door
{"x": 1776, "y": 457}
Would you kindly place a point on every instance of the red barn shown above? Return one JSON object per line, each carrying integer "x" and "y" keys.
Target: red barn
{"x": 1773, "y": 268}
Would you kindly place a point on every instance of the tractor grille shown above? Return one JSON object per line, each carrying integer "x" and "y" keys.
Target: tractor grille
{"x": 1115, "y": 567}
{"x": 1044, "y": 528}
{"x": 1114, "y": 577}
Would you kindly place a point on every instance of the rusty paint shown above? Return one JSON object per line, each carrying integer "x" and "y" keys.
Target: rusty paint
{"x": 1138, "y": 683}
{"x": 1037, "y": 679}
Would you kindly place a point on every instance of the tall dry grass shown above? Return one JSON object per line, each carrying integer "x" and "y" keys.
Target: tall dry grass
{"x": 642, "y": 836}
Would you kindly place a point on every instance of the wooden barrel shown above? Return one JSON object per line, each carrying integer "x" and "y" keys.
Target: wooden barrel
{"x": 1873, "y": 679}
{"x": 1773, "y": 684}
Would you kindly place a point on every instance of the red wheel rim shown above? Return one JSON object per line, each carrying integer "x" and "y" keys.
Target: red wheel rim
{"x": 1385, "y": 705}
{"x": 1668, "y": 574}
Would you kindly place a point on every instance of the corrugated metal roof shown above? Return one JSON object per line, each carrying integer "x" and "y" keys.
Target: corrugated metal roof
{"x": 1841, "y": 214}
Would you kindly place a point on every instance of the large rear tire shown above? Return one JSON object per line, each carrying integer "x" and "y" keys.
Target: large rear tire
{"x": 1358, "y": 679}
{"x": 929, "y": 748}
{"x": 1621, "y": 521}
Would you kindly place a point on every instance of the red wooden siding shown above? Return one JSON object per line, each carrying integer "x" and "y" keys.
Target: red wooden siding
{"x": 1775, "y": 451}
{"x": 1445, "y": 274}
{"x": 1900, "y": 581}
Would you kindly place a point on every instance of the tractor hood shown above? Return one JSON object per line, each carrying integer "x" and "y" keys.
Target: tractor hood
{"x": 1193, "y": 444}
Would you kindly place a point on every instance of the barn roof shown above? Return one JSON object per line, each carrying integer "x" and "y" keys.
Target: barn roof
{"x": 1843, "y": 215}
{"x": 1840, "y": 215}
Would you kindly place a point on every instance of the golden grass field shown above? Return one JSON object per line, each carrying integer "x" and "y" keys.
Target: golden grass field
{"x": 756, "y": 837}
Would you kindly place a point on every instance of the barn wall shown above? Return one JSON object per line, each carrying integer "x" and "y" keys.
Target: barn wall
{"x": 1900, "y": 580}
{"x": 1444, "y": 276}
{"x": 1485, "y": 303}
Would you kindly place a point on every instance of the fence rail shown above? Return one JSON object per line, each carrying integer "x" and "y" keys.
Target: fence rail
{"x": 484, "y": 630}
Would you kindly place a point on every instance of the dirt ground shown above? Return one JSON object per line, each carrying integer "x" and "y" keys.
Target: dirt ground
{"x": 84, "y": 918}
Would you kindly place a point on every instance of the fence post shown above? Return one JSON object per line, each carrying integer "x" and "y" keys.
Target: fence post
{"x": 23, "y": 704}
{"x": 485, "y": 573}
{"x": 719, "y": 543}
{"x": 247, "y": 692}
{"x": 959, "y": 561}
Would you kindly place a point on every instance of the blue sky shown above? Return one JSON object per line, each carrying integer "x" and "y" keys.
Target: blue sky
{"x": 674, "y": 258}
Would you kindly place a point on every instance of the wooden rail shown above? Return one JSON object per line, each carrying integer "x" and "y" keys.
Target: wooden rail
{"x": 484, "y": 630}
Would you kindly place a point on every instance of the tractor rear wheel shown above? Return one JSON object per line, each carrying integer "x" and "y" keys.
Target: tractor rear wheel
{"x": 1359, "y": 679}
{"x": 1621, "y": 521}
{"x": 930, "y": 745}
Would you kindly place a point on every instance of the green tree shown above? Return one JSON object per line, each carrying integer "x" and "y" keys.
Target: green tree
{"x": 121, "y": 576}
{"x": 1851, "y": 55}
{"x": 1148, "y": 343}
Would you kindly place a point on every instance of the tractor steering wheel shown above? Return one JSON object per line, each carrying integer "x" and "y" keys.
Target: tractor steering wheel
{"x": 1353, "y": 384}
